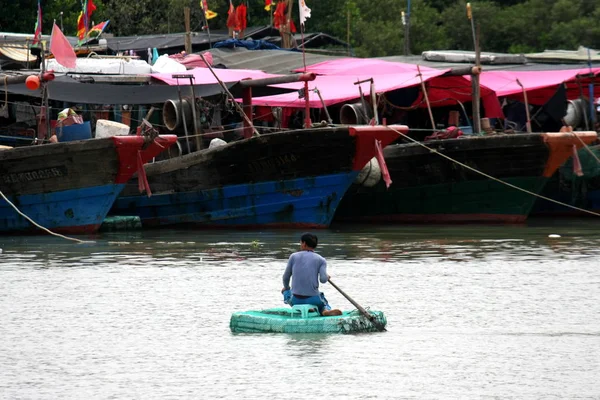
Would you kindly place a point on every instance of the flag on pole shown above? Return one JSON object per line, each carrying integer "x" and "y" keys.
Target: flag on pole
{"x": 61, "y": 48}
{"x": 232, "y": 21}
{"x": 84, "y": 19}
{"x": 242, "y": 21}
{"x": 268, "y": 5}
{"x": 80, "y": 26}
{"x": 207, "y": 13}
{"x": 97, "y": 30}
{"x": 37, "y": 36}
{"x": 304, "y": 12}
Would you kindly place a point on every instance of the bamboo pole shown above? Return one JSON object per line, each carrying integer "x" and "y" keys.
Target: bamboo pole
{"x": 424, "y": 89}
{"x": 528, "y": 124}
{"x": 188, "y": 33}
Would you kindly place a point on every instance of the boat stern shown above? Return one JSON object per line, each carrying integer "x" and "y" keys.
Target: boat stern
{"x": 561, "y": 145}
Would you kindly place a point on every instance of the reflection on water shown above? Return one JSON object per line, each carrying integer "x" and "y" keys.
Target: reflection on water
{"x": 473, "y": 311}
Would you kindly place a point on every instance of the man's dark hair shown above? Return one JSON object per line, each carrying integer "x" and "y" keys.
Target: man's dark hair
{"x": 310, "y": 240}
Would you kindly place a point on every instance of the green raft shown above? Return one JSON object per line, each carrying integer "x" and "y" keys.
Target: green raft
{"x": 302, "y": 319}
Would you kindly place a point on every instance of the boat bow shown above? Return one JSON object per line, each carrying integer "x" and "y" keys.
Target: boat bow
{"x": 128, "y": 148}
{"x": 366, "y": 137}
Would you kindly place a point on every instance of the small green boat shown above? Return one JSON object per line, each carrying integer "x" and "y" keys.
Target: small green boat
{"x": 303, "y": 319}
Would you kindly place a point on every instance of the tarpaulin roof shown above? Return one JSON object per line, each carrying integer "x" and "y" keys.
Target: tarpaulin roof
{"x": 340, "y": 88}
{"x": 271, "y": 61}
{"x": 337, "y": 85}
{"x": 200, "y": 40}
{"x": 362, "y": 66}
{"x": 582, "y": 54}
{"x": 65, "y": 88}
{"x": 204, "y": 76}
{"x": 540, "y": 85}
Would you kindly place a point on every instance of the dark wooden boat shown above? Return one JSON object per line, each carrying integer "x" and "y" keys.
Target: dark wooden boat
{"x": 428, "y": 188}
{"x": 69, "y": 187}
{"x": 285, "y": 179}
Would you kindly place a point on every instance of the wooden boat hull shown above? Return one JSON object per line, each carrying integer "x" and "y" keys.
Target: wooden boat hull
{"x": 290, "y": 179}
{"x": 279, "y": 320}
{"x": 69, "y": 187}
{"x": 428, "y": 188}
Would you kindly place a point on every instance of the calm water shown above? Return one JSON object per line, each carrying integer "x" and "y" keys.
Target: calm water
{"x": 474, "y": 312}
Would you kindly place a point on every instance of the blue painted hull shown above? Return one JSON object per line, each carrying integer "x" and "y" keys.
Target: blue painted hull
{"x": 67, "y": 211}
{"x": 303, "y": 202}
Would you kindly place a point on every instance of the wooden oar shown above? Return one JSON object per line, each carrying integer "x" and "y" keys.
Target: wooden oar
{"x": 378, "y": 325}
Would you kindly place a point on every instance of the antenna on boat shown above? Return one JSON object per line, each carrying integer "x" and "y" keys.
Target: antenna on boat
{"x": 304, "y": 13}
{"x": 406, "y": 23}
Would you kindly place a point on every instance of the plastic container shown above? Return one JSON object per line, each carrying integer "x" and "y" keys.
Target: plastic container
{"x": 106, "y": 128}
{"x": 74, "y": 132}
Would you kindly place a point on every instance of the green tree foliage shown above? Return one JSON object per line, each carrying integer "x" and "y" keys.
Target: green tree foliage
{"x": 374, "y": 28}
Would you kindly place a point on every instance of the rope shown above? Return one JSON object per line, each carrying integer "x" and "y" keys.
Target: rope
{"x": 491, "y": 177}
{"x": 5, "y": 91}
{"x": 588, "y": 148}
{"x": 39, "y": 226}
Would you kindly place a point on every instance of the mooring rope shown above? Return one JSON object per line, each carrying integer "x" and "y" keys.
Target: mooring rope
{"x": 491, "y": 177}
{"x": 39, "y": 226}
{"x": 587, "y": 148}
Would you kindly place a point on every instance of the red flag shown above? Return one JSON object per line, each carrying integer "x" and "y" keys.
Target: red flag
{"x": 61, "y": 48}
{"x": 232, "y": 22}
{"x": 279, "y": 15}
{"x": 90, "y": 7}
{"x": 240, "y": 12}
{"x": 37, "y": 36}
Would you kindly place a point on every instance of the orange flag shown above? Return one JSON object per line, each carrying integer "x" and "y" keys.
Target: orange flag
{"x": 61, "y": 48}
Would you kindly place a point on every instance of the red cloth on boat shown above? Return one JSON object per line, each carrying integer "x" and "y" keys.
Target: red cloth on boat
{"x": 452, "y": 132}
{"x": 191, "y": 61}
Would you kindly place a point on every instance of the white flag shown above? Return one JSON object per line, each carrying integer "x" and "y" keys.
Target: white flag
{"x": 304, "y": 11}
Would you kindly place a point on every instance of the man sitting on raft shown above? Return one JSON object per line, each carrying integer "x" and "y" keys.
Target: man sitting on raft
{"x": 307, "y": 268}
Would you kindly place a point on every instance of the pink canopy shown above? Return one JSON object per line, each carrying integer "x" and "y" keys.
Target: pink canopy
{"x": 336, "y": 84}
{"x": 362, "y": 66}
{"x": 337, "y": 89}
{"x": 204, "y": 76}
{"x": 540, "y": 85}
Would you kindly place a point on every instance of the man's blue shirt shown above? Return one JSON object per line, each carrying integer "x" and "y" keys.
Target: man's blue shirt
{"x": 307, "y": 268}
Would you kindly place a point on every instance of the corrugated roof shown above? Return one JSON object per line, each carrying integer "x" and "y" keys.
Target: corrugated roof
{"x": 271, "y": 61}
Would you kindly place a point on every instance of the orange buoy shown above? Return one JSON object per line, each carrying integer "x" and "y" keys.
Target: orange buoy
{"x": 32, "y": 82}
